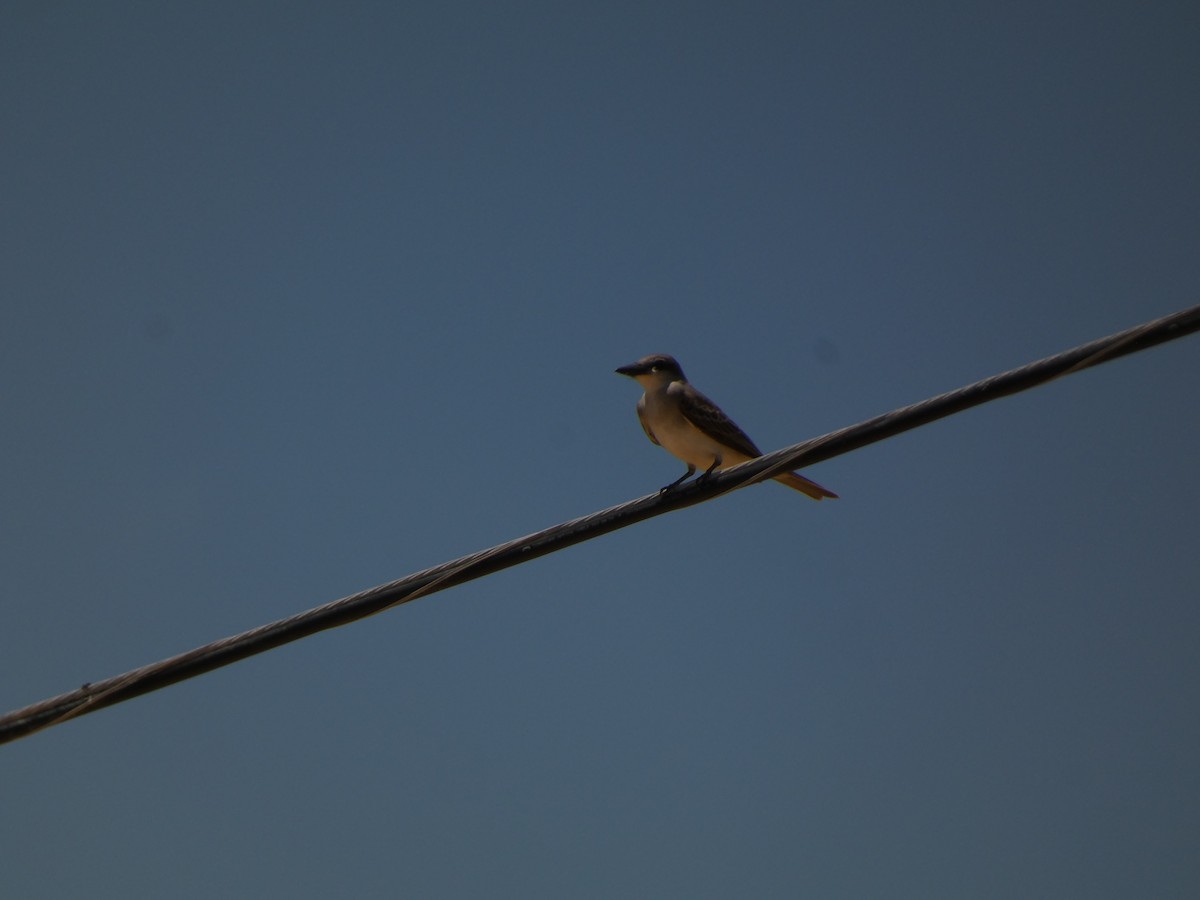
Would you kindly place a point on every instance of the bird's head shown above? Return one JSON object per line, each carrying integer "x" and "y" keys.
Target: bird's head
{"x": 654, "y": 370}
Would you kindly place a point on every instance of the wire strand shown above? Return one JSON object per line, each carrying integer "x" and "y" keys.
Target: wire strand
{"x": 91, "y": 697}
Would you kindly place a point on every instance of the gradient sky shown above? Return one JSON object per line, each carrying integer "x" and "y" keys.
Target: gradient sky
{"x": 299, "y": 298}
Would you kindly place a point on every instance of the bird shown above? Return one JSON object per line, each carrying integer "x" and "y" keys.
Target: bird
{"x": 692, "y": 428}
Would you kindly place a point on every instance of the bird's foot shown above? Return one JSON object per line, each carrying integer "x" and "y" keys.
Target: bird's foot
{"x": 678, "y": 481}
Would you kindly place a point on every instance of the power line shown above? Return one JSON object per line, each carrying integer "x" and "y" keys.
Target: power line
{"x": 91, "y": 697}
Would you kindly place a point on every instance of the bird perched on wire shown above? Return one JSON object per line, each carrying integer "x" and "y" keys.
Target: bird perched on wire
{"x": 692, "y": 428}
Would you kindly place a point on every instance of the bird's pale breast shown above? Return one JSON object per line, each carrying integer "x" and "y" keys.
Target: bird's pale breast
{"x": 684, "y": 440}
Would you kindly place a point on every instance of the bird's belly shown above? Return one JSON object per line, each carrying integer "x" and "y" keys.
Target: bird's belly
{"x": 685, "y": 441}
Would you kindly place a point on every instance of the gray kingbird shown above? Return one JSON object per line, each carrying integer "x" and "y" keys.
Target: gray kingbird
{"x": 692, "y": 428}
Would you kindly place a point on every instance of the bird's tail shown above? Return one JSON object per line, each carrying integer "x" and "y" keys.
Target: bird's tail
{"x": 804, "y": 486}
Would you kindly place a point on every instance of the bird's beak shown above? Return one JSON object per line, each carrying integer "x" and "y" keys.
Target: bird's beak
{"x": 632, "y": 370}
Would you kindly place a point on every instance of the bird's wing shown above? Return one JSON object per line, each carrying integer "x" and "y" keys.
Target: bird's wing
{"x": 707, "y": 416}
{"x": 641, "y": 408}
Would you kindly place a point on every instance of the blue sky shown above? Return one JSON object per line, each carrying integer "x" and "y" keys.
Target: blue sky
{"x": 300, "y": 298}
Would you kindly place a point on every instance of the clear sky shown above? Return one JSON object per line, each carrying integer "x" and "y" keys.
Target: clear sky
{"x": 300, "y": 298}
